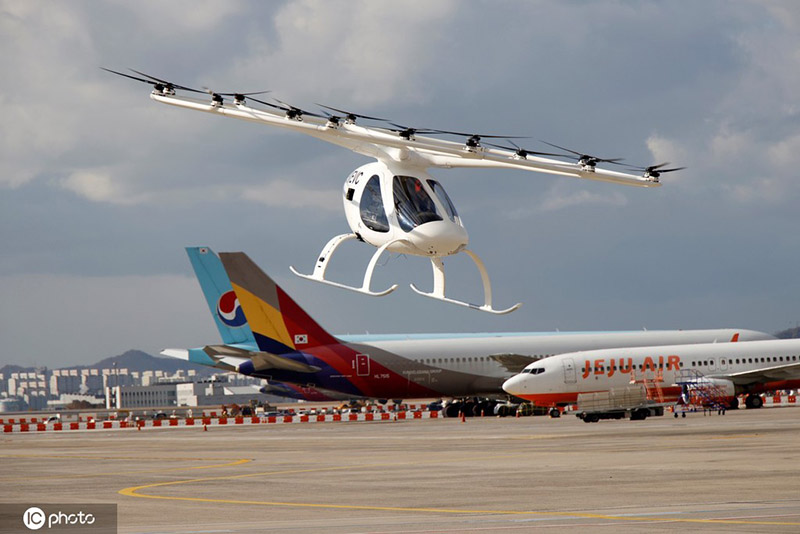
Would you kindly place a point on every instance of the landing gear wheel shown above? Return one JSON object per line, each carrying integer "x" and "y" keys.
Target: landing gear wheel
{"x": 754, "y": 401}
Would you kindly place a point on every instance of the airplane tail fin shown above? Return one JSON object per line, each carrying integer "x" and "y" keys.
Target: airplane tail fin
{"x": 220, "y": 297}
{"x": 278, "y": 323}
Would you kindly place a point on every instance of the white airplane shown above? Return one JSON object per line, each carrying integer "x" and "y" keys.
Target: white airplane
{"x": 278, "y": 341}
{"x": 731, "y": 369}
{"x": 393, "y": 204}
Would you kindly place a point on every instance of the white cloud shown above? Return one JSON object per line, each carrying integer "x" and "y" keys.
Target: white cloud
{"x": 96, "y": 186}
{"x": 366, "y": 52}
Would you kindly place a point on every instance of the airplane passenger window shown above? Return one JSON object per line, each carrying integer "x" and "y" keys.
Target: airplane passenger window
{"x": 372, "y": 213}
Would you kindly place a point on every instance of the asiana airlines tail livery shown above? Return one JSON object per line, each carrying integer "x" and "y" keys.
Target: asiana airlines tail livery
{"x": 269, "y": 336}
{"x": 732, "y": 368}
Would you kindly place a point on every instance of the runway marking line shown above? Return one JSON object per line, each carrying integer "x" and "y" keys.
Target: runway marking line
{"x": 134, "y": 492}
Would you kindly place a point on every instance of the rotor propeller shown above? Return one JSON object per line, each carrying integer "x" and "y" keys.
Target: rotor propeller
{"x": 408, "y": 133}
{"x": 162, "y": 86}
{"x": 654, "y": 171}
{"x": 585, "y": 159}
{"x": 292, "y": 112}
{"x": 348, "y": 116}
{"x": 522, "y": 152}
{"x": 238, "y": 98}
{"x": 474, "y": 140}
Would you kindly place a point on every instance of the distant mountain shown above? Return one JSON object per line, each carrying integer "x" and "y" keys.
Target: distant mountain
{"x": 8, "y": 369}
{"x": 132, "y": 360}
{"x": 136, "y": 360}
{"x": 789, "y": 333}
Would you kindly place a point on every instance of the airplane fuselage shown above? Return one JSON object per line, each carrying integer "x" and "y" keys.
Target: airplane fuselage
{"x": 457, "y": 365}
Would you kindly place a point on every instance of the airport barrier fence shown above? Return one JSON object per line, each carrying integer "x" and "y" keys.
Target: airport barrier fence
{"x": 21, "y": 425}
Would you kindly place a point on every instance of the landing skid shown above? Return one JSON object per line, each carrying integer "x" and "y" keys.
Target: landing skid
{"x": 438, "y": 276}
{"x": 439, "y": 285}
{"x": 324, "y": 260}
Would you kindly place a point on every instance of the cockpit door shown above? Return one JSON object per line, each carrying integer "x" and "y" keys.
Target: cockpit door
{"x": 570, "y": 377}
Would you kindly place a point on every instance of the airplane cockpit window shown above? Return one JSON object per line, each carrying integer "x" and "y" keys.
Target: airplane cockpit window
{"x": 444, "y": 199}
{"x": 372, "y": 213}
{"x": 414, "y": 205}
{"x": 534, "y": 370}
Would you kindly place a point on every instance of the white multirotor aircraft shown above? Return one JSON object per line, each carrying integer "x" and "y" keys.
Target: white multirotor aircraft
{"x": 393, "y": 203}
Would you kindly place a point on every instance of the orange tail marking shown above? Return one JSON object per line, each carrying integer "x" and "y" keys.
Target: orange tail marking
{"x": 735, "y": 337}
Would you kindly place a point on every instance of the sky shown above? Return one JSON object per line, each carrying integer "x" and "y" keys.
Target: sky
{"x": 101, "y": 188}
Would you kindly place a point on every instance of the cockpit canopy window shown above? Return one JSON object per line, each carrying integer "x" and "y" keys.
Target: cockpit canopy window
{"x": 414, "y": 205}
{"x": 439, "y": 191}
{"x": 372, "y": 213}
{"x": 534, "y": 370}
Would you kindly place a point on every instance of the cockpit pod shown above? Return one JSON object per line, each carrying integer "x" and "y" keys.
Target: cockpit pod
{"x": 406, "y": 211}
{"x": 412, "y": 214}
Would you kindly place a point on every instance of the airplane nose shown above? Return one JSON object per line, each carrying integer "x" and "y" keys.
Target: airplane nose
{"x": 514, "y": 385}
{"x": 439, "y": 238}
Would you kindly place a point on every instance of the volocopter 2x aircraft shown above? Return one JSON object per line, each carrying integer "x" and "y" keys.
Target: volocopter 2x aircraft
{"x": 394, "y": 204}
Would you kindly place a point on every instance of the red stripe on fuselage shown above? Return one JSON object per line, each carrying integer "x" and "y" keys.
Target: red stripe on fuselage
{"x": 774, "y": 386}
{"x": 381, "y": 382}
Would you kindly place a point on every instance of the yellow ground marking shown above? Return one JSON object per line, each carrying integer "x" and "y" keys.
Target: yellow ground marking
{"x": 134, "y": 492}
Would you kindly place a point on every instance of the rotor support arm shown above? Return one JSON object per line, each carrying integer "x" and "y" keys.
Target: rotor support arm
{"x": 421, "y": 151}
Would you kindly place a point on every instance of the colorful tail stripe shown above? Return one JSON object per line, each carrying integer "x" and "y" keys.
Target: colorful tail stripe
{"x": 222, "y": 302}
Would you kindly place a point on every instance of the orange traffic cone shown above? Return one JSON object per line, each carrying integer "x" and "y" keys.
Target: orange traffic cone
{"x": 463, "y": 417}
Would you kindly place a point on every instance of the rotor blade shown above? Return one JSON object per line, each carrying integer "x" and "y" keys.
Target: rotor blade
{"x": 401, "y": 128}
{"x": 165, "y": 82}
{"x": 246, "y": 94}
{"x": 348, "y": 113}
{"x": 270, "y": 104}
{"x": 562, "y": 148}
{"x": 480, "y": 135}
{"x": 519, "y": 150}
{"x": 581, "y": 156}
{"x": 129, "y": 76}
{"x": 654, "y": 167}
{"x": 289, "y": 107}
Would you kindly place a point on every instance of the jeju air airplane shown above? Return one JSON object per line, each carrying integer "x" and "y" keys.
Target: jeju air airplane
{"x": 292, "y": 348}
{"x": 732, "y": 369}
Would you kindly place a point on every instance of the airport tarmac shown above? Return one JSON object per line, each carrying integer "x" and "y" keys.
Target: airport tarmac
{"x": 734, "y": 473}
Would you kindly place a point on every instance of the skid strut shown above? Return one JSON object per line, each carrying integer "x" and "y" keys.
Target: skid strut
{"x": 324, "y": 260}
{"x": 439, "y": 286}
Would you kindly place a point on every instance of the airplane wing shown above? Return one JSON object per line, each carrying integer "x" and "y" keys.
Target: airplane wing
{"x": 768, "y": 374}
{"x": 403, "y": 146}
{"x": 234, "y": 358}
{"x": 513, "y": 363}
